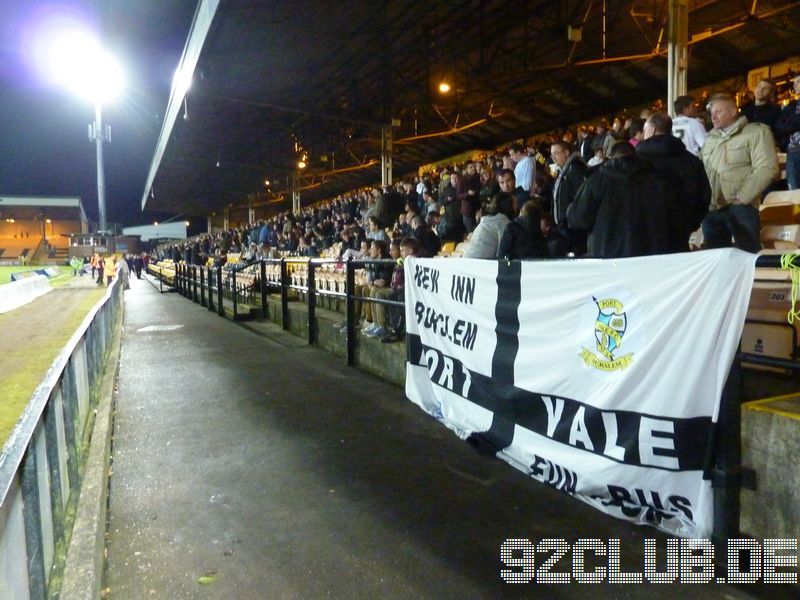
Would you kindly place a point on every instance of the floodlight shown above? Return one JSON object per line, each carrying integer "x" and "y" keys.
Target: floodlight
{"x": 76, "y": 60}
{"x": 444, "y": 87}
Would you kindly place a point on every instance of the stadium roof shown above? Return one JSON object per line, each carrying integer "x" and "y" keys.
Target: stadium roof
{"x": 30, "y": 207}
{"x": 272, "y": 79}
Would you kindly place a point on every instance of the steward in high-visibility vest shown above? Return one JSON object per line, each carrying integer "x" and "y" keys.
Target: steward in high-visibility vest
{"x": 110, "y": 269}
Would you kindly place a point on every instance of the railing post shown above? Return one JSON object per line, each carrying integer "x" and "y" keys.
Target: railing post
{"x": 33, "y": 523}
{"x": 312, "y": 302}
{"x": 220, "y": 305}
{"x": 234, "y": 294}
{"x": 727, "y": 471}
{"x": 350, "y": 310}
{"x": 194, "y": 283}
{"x": 202, "y": 287}
{"x": 263, "y": 289}
{"x": 210, "y": 280}
{"x": 284, "y": 295}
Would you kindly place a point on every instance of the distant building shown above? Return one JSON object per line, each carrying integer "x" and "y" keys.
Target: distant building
{"x": 174, "y": 230}
{"x": 37, "y": 230}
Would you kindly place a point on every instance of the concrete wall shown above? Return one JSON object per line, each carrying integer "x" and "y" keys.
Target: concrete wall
{"x": 770, "y": 445}
{"x": 386, "y": 361}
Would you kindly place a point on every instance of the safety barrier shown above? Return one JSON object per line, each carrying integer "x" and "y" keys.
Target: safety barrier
{"x": 42, "y": 462}
{"x": 20, "y": 292}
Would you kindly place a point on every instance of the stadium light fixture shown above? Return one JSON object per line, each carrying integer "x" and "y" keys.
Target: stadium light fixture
{"x": 301, "y": 164}
{"x": 444, "y": 87}
{"x": 73, "y": 57}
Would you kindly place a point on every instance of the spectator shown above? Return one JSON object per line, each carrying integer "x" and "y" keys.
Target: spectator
{"x": 522, "y": 238}
{"x": 556, "y": 242}
{"x": 375, "y": 231}
{"x": 427, "y": 238}
{"x": 378, "y": 276}
{"x": 506, "y": 181}
{"x": 686, "y": 126}
{"x": 469, "y": 196}
{"x": 572, "y": 172}
{"x": 382, "y": 291}
{"x": 789, "y": 135}
{"x": 635, "y": 131}
{"x": 451, "y": 227}
{"x": 585, "y": 138}
{"x": 524, "y": 172}
{"x": 396, "y": 318}
{"x": 669, "y": 157}
{"x": 598, "y": 158}
{"x": 625, "y": 207}
{"x": 740, "y": 161}
{"x": 485, "y": 241}
{"x": 764, "y": 109}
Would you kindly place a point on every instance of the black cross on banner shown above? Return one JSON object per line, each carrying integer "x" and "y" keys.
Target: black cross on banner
{"x": 687, "y": 447}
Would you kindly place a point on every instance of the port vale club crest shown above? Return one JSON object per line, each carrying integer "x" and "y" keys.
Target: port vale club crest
{"x": 609, "y": 329}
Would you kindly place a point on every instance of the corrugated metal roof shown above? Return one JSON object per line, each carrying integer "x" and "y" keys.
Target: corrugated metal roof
{"x": 273, "y": 77}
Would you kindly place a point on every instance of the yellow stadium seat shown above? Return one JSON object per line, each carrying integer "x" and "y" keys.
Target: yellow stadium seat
{"x": 781, "y": 237}
{"x": 781, "y": 208}
{"x": 447, "y": 248}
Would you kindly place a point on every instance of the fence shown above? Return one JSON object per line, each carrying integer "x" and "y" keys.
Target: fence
{"x": 42, "y": 463}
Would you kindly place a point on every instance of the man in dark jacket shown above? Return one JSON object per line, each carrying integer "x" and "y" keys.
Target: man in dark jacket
{"x": 627, "y": 208}
{"x": 451, "y": 227}
{"x": 572, "y": 173}
{"x": 669, "y": 157}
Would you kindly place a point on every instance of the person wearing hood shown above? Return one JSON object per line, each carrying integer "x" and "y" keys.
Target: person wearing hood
{"x": 485, "y": 241}
{"x": 669, "y": 157}
{"x": 523, "y": 237}
{"x": 572, "y": 172}
{"x": 740, "y": 161}
{"x": 627, "y": 208}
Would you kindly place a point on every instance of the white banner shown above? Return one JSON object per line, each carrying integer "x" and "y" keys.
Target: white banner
{"x": 599, "y": 378}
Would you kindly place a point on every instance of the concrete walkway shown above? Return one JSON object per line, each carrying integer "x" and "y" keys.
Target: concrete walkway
{"x": 252, "y": 466}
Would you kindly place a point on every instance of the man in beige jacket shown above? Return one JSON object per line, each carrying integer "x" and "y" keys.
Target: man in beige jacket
{"x": 740, "y": 160}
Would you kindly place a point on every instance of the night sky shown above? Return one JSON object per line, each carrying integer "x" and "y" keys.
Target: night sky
{"x": 44, "y": 145}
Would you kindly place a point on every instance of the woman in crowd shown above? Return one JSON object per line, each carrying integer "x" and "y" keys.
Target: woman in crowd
{"x": 485, "y": 241}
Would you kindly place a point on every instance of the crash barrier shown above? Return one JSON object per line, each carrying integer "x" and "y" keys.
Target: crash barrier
{"x": 313, "y": 278}
{"x": 49, "y": 272}
{"x": 42, "y": 462}
{"x": 209, "y": 286}
{"x": 21, "y": 292}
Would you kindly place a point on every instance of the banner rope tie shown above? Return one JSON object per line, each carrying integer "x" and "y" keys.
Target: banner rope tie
{"x": 791, "y": 263}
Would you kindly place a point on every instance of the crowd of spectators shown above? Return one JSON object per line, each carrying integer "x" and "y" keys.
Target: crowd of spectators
{"x": 634, "y": 186}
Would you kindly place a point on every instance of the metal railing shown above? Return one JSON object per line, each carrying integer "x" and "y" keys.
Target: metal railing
{"x": 211, "y": 286}
{"x": 42, "y": 462}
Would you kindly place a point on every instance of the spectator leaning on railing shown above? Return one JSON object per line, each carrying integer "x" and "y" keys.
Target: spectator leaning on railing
{"x": 378, "y": 275}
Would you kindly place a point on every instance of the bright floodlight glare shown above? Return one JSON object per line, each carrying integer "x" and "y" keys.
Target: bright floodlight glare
{"x": 301, "y": 164}
{"x": 181, "y": 82}
{"x": 76, "y": 60}
{"x": 444, "y": 87}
